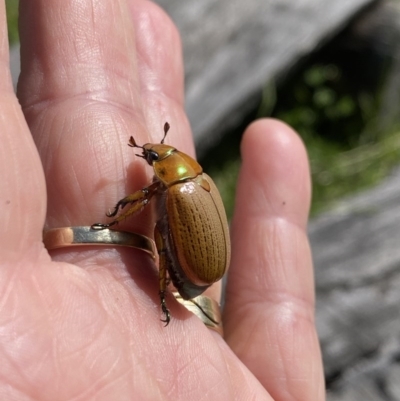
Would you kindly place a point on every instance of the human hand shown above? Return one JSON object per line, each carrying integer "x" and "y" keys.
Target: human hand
{"x": 85, "y": 323}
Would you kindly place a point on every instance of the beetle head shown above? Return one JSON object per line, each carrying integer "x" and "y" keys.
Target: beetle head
{"x": 153, "y": 152}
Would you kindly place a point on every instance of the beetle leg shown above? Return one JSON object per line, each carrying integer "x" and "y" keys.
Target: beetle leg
{"x": 138, "y": 196}
{"x": 162, "y": 275}
{"x": 138, "y": 200}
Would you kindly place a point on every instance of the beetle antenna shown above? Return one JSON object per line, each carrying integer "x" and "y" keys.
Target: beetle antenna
{"x": 132, "y": 143}
{"x": 166, "y": 129}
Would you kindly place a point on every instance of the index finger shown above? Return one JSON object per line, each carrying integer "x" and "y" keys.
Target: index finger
{"x": 94, "y": 74}
{"x": 90, "y": 78}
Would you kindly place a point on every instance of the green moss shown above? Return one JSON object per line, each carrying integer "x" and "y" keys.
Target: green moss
{"x": 12, "y": 20}
{"x": 338, "y": 122}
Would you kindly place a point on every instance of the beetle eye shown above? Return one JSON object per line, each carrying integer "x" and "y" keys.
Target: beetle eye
{"x": 151, "y": 156}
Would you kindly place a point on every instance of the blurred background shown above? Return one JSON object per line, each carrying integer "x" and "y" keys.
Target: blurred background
{"x": 331, "y": 69}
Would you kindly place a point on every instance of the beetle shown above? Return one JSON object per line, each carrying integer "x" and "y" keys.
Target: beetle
{"x": 191, "y": 231}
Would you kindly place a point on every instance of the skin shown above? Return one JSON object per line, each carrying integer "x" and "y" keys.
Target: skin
{"x": 84, "y": 324}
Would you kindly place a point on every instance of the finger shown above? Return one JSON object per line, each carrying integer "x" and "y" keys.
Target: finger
{"x": 269, "y": 315}
{"x": 84, "y": 99}
{"x": 79, "y": 92}
{"x": 22, "y": 194}
{"x": 161, "y": 74}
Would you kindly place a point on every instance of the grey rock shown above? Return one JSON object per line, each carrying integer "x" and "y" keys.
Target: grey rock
{"x": 356, "y": 251}
{"x": 15, "y": 64}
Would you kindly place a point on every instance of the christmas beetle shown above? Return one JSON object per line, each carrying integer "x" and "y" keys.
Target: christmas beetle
{"x": 191, "y": 232}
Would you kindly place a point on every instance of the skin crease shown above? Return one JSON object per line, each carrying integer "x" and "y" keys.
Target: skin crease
{"x": 84, "y": 324}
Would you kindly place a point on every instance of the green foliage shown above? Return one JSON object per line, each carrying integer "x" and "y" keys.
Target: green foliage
{"x": 12, "y": 20}
{"x": 344, "y": 172}
{"x": 338, "y": 122}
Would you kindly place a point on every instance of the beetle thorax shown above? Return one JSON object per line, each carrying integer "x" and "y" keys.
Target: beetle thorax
{"x": 175, "y": 166}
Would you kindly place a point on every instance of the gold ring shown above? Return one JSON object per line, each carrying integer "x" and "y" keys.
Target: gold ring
{"x": 206, "y": 309}
{"x": 85, "y": 236}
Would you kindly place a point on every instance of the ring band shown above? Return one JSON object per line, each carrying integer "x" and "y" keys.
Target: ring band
{"x": 85, "y": 236}
{"x": 205, "y": 308}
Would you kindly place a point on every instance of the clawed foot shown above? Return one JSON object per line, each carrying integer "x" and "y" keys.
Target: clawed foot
{"x": 164, "y": 309}
{"x": 120, "y": 205}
